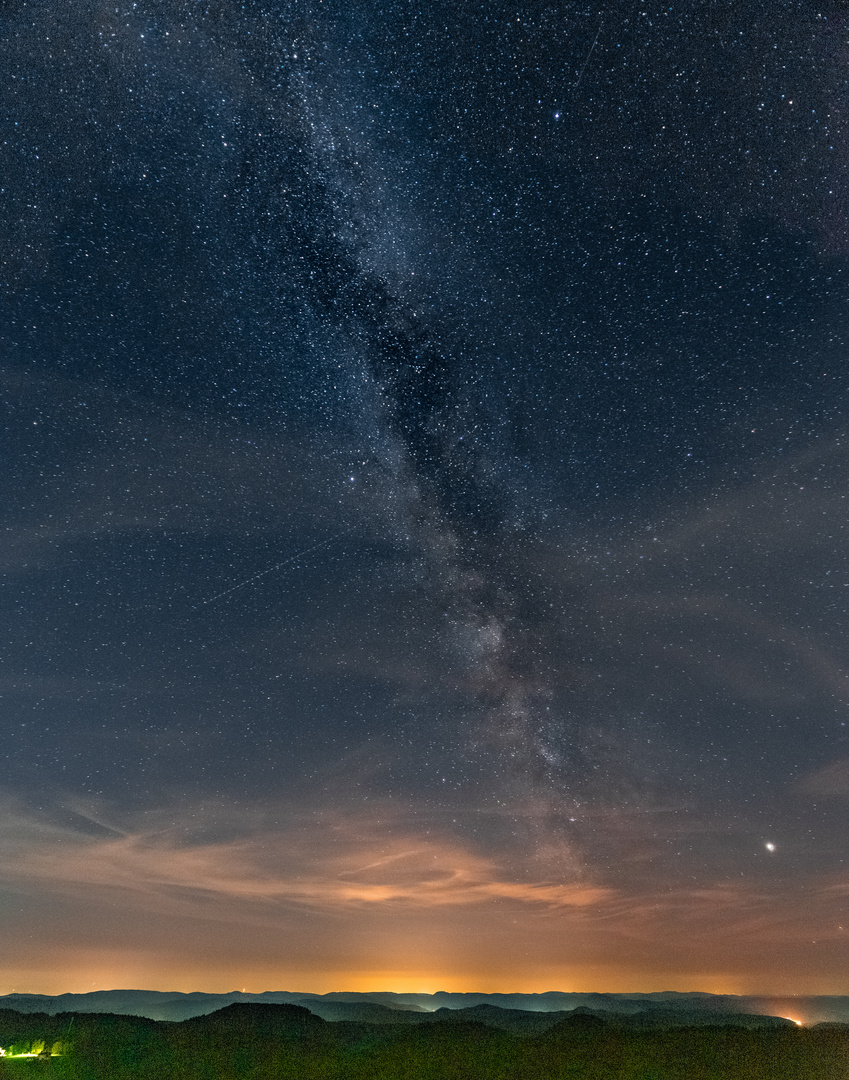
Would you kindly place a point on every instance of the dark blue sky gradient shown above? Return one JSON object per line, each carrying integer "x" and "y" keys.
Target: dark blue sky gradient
{"x": 424, "y": 490}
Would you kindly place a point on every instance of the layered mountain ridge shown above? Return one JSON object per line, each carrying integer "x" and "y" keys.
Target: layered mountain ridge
{"x": 506, "y": 1011}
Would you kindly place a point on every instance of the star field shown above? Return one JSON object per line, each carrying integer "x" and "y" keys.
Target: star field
{"x": 425, "y": 495}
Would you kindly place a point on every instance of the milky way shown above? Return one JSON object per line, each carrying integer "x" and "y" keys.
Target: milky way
{"x": 425, "y": 493}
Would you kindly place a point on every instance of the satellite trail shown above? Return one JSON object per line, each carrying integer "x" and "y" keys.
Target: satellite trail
{"x": 269, "y": 570}
{"x": 589, "y": 54}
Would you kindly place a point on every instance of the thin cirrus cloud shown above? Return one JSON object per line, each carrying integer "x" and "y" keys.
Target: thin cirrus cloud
{"x": 409, "y": 871}
{"x": 830, "y": 780}
{"x": 288, "y": 903}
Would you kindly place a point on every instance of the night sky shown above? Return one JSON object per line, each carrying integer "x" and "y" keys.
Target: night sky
{"x": 424, "y": 492}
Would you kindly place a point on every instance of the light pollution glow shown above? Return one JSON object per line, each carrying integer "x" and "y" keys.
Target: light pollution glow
{"x": 347, "y": 903}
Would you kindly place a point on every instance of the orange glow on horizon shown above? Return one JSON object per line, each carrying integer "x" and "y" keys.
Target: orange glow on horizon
{"x": 155, "y": 976}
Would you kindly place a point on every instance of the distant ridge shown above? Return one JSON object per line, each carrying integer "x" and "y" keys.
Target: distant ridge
{"x": 385, "y": 1007}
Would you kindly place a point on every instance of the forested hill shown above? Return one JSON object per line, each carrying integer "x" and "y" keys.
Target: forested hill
{"x": 249, "y": 1041}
